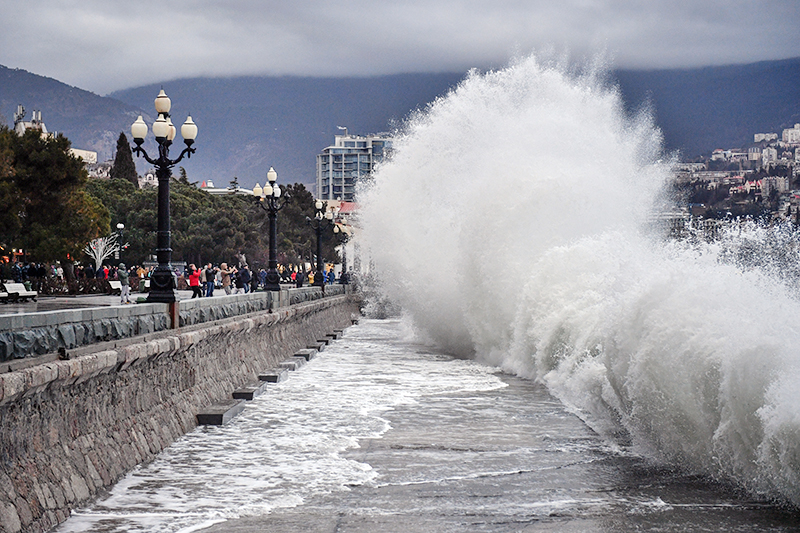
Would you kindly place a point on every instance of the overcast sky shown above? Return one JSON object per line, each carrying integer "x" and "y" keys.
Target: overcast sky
{"x": 104, "y": 45}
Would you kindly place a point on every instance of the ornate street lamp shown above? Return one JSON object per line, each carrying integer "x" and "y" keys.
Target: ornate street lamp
{"x": 269, "y": 202}
{"x": 120, "y": 246}
{"x": 322, "y": 219}
{"x": 342, "y": 227}
{"x": 163, "y": 283}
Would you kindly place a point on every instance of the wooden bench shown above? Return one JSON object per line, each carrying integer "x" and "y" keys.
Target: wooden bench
{"x": 116, "y": 286}
{"x": 17, "y": 291}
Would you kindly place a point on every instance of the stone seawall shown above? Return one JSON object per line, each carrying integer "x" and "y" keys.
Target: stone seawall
{"x": 71, "y": 428}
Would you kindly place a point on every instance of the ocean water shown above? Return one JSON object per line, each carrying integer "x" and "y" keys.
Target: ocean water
{"x": 289, "y": 444}
{"x": 512, "y": 226}
{"x": 384, "y": 433}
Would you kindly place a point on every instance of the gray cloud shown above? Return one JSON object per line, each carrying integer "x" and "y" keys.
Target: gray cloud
{"x": 104, "y": 45}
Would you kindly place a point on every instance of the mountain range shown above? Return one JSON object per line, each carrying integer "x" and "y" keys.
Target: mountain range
{"x": 248, "y": 124}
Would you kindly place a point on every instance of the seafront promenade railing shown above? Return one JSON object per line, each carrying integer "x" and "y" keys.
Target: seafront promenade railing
{"x": 27, "y": 335}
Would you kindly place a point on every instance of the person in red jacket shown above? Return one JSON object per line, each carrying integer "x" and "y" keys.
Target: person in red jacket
{"x": 194, "y": 281}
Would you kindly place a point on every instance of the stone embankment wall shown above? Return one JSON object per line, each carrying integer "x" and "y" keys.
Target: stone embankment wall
{"x": 23, "y": 336}
{"x": 71, "y": 428}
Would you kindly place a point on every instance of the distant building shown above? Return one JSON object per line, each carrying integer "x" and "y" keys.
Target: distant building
{"x": 148, "y": 180}
{"x": 774, "y": 183}
{"x": 101, "y": 170}
{"x": 36, "y": 123}
{"x": 350, "y": 159}
{"x": 759, "y": 137}
{"x": 89, "y": 157}
{"x": 233, "y": 188}
{"x": 791, "y": 135}
{"x": 21, "y": 125}
{"x": 769, "y": 155}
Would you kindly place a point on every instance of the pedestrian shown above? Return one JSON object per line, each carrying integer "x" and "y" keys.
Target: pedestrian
{"x": 125, "y": 290}
{"x": 194, "y": 281}
{"x": 245, "y": 278}
{"x": 226, "y": 277}
{"x": 211, "y": 277}
{"x": 202, "y": 280}
{"x": 236, "y": 281}
{"x": 299, "y": 278}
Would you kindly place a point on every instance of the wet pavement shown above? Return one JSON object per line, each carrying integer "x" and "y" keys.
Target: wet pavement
{"x": 57, "y": 303}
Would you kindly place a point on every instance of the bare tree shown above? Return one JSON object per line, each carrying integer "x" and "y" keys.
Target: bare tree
{"x": 102, "y": 247}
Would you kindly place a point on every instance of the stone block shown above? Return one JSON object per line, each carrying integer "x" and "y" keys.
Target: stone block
{"x": 220, "y": 413}
{"x": 13, "y": 385}
{"x": 307, "y": 353}
{"x": 292, "y": 364}
{"x": 249, "y": 392}
{"x": 274, "y": 375}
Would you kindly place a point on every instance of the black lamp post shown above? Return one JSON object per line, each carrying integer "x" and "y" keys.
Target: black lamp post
{"x": 121, "y": 233}
{"x": 163, "y": 283}
{"x": 322, "y": 219}
{"x": 268, "y": 200}
{"x": 341, "y": 226}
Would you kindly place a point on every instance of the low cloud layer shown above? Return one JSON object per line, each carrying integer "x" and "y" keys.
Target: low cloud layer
{"x": 103, "y": 46}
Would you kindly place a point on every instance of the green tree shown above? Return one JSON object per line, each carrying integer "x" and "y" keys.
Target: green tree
{"x": 10, "y": 198}
{"x": 297, "y": 240}
{"x": 57, "y": 217}
{"x": 124, "y": 167}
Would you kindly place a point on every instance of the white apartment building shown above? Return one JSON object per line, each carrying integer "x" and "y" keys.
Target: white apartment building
{"x": 769, "y": 155}
{"x": 791, "y": 135}
{"x": 349, "y": 159}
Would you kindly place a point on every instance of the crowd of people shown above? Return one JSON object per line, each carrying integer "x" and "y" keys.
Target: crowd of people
{"x": 202, "y": 281}
{"x": 240, "y": 279}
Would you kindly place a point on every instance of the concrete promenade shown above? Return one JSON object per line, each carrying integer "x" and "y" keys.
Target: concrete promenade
{"x": 59, "y": 303}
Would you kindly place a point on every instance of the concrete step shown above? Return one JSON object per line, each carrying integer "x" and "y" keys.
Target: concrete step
{"x": 308, "y": 353}
{"x": 318, "y": 346}
{"x": 293, "y": 363}
{"x": 274, "y": 375}
{"x": 248, "y": 392}
{"x": 220, "y": 413}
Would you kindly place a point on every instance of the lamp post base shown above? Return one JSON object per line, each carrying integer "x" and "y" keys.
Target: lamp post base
{"x": 272, "y": 282}
{"x": 163, "y": 286}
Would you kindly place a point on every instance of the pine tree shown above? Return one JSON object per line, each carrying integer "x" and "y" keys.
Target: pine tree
{"x": 124, "y": 168}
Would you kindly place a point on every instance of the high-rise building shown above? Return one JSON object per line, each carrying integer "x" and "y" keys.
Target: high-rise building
{"x": 351, "y": 158}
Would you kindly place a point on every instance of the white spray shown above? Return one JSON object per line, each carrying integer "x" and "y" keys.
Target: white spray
{"x": 508, "y": 225}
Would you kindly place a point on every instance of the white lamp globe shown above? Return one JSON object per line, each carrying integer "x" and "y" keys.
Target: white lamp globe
{"x": 272, "y": 176}
{"x": 172, "y": 130}
{"x": 189, "y": 130}
{"x": 257, "y": 190}
{"x": 318, "y": 204}
{"x": 160, "y": 128}
{"x": 163, "y": 103}
{"x": 139, "y": 129}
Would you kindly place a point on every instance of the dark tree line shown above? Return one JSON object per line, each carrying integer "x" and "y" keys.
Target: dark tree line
{"x": 209, "y": 228}
{"x": 51, "y": 209}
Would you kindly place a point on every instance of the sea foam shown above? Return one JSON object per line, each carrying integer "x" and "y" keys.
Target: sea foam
{"x": 511, "y": 225}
